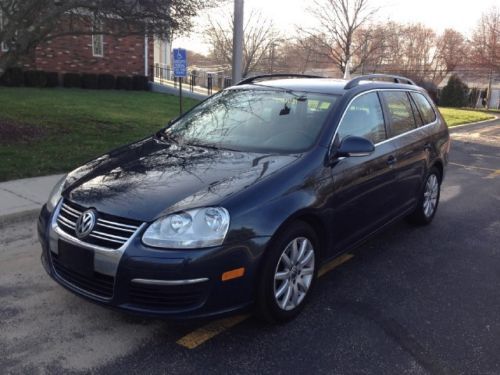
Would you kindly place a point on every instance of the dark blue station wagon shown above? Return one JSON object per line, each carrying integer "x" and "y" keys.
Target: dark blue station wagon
{"x": 238, "y": 203}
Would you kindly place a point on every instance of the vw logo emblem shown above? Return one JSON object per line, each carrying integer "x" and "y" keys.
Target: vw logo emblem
{"x": 85, "y": 224}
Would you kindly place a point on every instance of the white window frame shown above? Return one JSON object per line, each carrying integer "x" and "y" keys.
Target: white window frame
{"x": 3, "y": 45}
{"x": 97, "y": 38}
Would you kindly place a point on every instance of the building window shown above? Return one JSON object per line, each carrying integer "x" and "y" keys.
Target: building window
{"x": 97, "y": 45}
{"x": 3, "y": 45}
{"x": 97, "y": 40}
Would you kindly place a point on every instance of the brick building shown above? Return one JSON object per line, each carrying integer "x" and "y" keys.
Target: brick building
{"x": 130, "y": 55}
{"x": 101, "y": 53}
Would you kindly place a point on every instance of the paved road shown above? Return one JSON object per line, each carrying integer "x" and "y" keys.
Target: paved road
{"x": 410, "y": 301}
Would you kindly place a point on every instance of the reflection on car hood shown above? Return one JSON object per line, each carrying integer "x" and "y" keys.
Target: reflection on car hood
{"x": 148, "y": 179}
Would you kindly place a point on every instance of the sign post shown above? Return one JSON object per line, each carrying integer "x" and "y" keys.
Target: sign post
{"x": 180, "y": 70}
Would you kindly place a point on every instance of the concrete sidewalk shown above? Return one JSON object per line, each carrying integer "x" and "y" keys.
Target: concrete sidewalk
{"x": 24, "y": 198}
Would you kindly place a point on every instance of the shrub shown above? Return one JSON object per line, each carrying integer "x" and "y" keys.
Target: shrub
{"x": 72, "y": 80}
{"x": 35, "y": 78}
{"x": 124, "y": 83}
{"x": 106, "y": 82}
{"x": 89, "y": 81}
{"x": 52, "y": 79}
{"x": 454, "y": 94}
{"x": 13, "y": 77}
{"x": 140, "y": 83}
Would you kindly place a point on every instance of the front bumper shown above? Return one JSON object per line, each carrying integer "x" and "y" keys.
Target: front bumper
{"x": 151, "y": 282}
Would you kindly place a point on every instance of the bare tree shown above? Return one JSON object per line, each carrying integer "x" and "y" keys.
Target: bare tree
{"x": 291, "y": 56}
{"x": 27, "y": 23}
{"x": 452, "y": 49}
{"x": 302, "y": 54}
{"x": 485, "y": 41}
{"x": 259, "y": 37}
{"x": 416, "y": 51}
{"x": 335, "y": 36}
{"x": 371, "y": 41}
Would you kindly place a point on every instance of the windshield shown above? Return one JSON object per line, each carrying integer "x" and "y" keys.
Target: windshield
{"x": 255, "y": 120}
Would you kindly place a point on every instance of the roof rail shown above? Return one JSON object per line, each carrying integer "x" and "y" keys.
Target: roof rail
{"x": 397, "y": 79}
{"x": 249, "y": 80}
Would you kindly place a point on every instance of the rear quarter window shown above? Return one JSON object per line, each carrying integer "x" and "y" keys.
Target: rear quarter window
{"x": 424, "y": 107}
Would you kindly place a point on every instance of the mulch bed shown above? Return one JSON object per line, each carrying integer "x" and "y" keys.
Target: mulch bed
{"x": 12, "y": 132}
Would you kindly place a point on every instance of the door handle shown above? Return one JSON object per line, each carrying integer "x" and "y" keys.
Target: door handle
{"x": 391, "y": 160}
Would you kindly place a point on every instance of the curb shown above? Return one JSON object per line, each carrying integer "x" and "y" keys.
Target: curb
{"x": 17, "y": 217}
{"x": 473, "y": 123}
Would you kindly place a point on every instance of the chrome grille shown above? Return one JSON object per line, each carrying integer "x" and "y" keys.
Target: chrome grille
{"x": 110, "y": 231}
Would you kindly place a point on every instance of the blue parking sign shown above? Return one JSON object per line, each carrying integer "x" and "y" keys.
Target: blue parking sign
{"x": 180, "y": 62}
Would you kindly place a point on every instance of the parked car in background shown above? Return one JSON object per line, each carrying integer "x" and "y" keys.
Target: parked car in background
{"x": 238, "y": 203}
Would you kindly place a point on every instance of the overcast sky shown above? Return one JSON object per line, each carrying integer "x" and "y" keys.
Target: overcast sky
{"x": 286, "y": 14}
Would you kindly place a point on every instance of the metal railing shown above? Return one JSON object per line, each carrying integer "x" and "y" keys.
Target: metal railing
{"x": 196, "y": 81}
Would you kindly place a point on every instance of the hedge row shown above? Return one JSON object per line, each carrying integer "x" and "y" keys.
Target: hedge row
{"x": 16, "y": 77}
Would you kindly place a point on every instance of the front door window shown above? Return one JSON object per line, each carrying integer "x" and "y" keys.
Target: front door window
{"x": 364, "y": 118}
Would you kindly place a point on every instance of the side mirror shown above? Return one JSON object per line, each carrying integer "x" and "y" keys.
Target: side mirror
{"x": 355, "y": 146}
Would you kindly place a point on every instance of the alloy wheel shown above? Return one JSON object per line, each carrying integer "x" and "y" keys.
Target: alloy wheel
{"x": 431, "y": 195}
{"x": 294, "y": 273}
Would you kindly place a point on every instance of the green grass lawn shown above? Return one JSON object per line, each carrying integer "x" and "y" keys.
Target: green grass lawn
{"x": 58, "y": 129}
{"x": 47, "y": 131}
{"x": 454, "y": 116}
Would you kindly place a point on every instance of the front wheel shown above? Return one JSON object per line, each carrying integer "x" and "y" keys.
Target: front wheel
{"x": 428, "y": 200}
{"x": 289, "y": 273}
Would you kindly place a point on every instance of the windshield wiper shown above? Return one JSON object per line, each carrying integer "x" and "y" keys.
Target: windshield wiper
{"x": 163, "y": 136}
{"x": 209, "y": 146}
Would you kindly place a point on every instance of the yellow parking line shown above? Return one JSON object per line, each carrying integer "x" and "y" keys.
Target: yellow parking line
{"x": 494, "y": 174}
{"x": 334, "y": 264}
{"x": 205, "y": 333}
{"x": 199, "y": 336}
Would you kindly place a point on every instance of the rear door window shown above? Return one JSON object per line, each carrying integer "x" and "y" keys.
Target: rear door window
{"x": 400, "y": 112}
{"x": 424, "y": 107}
{"x": 364, "y": 118}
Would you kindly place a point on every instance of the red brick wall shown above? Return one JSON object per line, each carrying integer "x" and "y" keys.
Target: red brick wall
{"x": 122, "y": 56}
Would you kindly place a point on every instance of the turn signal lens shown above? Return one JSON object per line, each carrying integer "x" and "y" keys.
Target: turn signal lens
{"x": 233, "y": 274}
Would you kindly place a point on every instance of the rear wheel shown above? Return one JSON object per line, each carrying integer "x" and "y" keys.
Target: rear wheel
{"x": 289, "y": 273}
{"x": 428, "y": 200}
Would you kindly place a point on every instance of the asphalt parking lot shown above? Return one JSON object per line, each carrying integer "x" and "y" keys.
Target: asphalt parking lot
{"x": 409, "y": 301}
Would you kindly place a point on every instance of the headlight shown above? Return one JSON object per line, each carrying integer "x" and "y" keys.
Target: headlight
{"x": 201, "y": 227}
{"x": 55, "y": 194}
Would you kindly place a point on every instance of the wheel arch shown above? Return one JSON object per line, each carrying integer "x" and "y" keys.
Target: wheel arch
{"x": 438, "y": 164}
{"x": 314, "y": 220}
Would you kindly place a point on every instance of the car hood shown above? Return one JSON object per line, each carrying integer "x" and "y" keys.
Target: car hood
{"x": 149, "y": 179}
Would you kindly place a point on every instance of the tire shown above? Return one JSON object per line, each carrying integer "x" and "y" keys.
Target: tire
{"x": 284, "y": 290}
{"x": 427, "y": 207}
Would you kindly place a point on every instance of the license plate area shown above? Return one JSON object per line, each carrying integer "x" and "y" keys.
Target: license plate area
{"x": 76, "y": 259}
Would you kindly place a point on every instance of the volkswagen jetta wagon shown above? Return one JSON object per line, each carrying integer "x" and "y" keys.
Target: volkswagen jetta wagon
{"x": 239, "y": 202}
